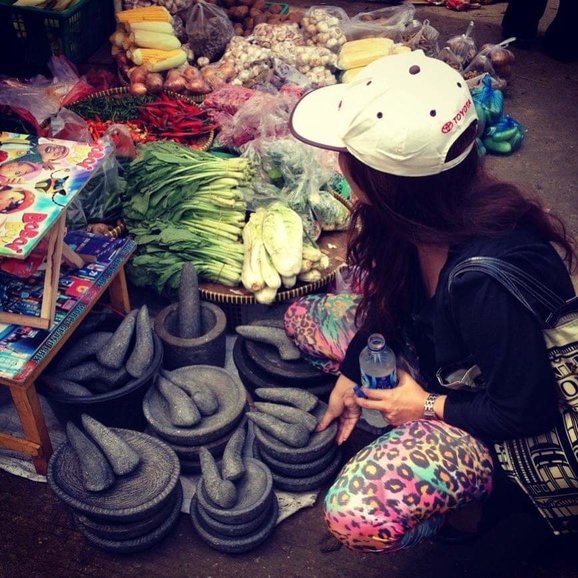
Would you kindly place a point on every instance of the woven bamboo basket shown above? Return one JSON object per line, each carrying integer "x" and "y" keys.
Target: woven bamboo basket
{"x": 240, "y": 305}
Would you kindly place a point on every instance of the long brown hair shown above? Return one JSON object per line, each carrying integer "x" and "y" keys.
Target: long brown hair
{"x": 444, "y": 209}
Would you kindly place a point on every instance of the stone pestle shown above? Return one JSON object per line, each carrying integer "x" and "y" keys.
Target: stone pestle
{"x": 204, "y": 398}
{"x": 233, "y": 466}
{"x": 183, "y": 411}
{"x": 121, "y": 457}
{"x": 189, "y": 307}
{"x": 291, "y": 434}
{"x": 290, "y": 395}
{"x": 96, "y": 472}
{"x": 144, "y": 348}
{"x": 221, "y": 492}
{"x": 275, "y": 336}
{"x": 288, "y": 414}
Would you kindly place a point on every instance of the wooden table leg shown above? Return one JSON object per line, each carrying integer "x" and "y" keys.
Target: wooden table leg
{"x": 33, "y": 424}
{"x": 118, "y": 292}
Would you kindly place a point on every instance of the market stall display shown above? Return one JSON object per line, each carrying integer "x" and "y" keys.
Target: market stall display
{"x": 299, "y": 458}
{"x": 106, "y": 371}
{"x": 121, "y": 504}
{"x": 260, "y": 364}
{"x": 208, "y": 428}
{"x": 192, "y": 331}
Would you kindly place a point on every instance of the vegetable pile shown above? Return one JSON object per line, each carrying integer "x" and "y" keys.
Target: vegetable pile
{"x": 185, "y": 205}
{"x": 146, "y": 118}
{"x": 275, "y": 254}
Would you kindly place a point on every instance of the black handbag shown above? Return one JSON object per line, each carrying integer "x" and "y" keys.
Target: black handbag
{"x": 544, "y": 466}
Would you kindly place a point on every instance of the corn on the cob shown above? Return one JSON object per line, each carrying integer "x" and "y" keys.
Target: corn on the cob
{"x": 152, "y": 26}
{"x": 358, "y": 53}
{"x": 157, "y": 60}
{"x": 348, "y": 75}
{"x": 160, "y": 41}
{"x": 147, "y": 13}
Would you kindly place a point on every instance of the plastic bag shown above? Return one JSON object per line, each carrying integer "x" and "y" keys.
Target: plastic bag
{"x": 421, "y": 36}
{"x": 463, "y": 46}
{"x": 208, "y": 29}
{"x": 101, "y": 197}
{"x": 263, "y": 115}
{"x": 504, "y": 137}
{"x": 322, "y": 27}
{"x": 67, "y": 125}
{"x": 489, "y": 102}
{"x": 389, "y": 22}
{"x": 331, "y": 214}
{"x": 493, "y": 59}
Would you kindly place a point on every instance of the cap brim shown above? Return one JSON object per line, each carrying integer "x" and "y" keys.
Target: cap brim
{"x": 314, "y": 119}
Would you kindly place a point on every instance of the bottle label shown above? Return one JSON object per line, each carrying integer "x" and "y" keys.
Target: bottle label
{"x": 382, "y": 382}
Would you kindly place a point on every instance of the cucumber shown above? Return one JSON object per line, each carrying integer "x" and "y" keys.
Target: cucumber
{"x": 288, "y": 414}
{"x": 189, "y": 307}
{"x": 113, "y": 354}
{"x": 222, "y": 492}
{"x": 183, "y": 411}
{"x": 501, "y": 147}
{"x": 65, "y": 386}
{"x": 97, "y": 475}
{"x": 291, "y": 434}
{"x": 84, "y": 348}
{"x": 144, "y": 347}
{"x": 275, "y": 336}
{"x": 232, "y": 465}
{"x": 204, "y": 398}
{"x": 502, "y": 135}
{"x": 121, "y": 457}
{"x": 290, "y": 395}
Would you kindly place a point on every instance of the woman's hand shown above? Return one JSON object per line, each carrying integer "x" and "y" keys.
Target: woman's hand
{"x": 398, "y": 405}
{"x": 342, "y": 405}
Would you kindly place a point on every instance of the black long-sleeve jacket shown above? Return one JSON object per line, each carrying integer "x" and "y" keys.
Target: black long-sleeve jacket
{"x": 487, "y": 326}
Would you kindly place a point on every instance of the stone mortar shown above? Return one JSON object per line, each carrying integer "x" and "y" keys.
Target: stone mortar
{"x": 208, "y": 349}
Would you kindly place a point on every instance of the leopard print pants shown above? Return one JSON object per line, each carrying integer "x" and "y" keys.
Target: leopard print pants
{"x": 397, "y": 490}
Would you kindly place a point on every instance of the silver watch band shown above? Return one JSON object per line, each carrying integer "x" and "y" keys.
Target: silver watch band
{"x": 428, "y": 406}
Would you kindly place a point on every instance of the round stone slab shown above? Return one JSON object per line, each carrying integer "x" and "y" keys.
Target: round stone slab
{"x": 254, "y": 377}
{"x": 319, "y": 443}
{"x": 232, "y": 398}
{"x": 314, "y": 482}
{"x": 133, "y": 497}
{"x": 232, "y": 530}
{"x": 236, "y": 545}
{"x": 253, "y": 490}
{"x": 267, "y": 358}
{"x": 303, "y": 470}
{"x": 117, "y": 532}
{"x": 143, "y": 542}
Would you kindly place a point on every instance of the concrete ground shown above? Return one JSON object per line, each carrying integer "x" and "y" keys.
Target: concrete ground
{"x": 38, "y": 537}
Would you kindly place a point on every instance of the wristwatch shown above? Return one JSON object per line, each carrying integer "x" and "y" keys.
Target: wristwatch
{"x": 428, "y": 406}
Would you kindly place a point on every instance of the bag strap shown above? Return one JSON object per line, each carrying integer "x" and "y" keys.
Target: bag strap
{"x": 518, "y": 283}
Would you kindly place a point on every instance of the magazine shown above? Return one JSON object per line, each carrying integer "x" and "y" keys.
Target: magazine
{"x": 22, "y": 347}
{"x": 39, "y": 177}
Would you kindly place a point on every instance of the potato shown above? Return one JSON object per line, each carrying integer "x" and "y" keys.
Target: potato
{"x": 275, "y": 8}
{"x": 238, "y": 29}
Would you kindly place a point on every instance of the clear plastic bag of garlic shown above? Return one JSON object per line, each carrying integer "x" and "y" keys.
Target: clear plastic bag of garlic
{"x": 316, "y": 63}
{"x": 321, "y": 27}
{"x": 250, "y": 60}
{"x": 268, "y": 35}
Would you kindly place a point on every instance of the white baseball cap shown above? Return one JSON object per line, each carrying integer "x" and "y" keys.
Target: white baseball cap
{"x": 399, "y": 115}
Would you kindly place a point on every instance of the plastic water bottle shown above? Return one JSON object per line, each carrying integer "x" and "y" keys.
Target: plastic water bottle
{"x": 378, "y": 371}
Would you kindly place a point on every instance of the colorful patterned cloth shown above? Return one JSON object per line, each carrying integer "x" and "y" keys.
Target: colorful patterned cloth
{"x": 397, "y": 490}
{"x": 322, "y": 326}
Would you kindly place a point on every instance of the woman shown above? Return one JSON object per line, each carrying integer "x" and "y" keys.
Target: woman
{"x": 405, "y": 131}
{"x": 522, "y": 18}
